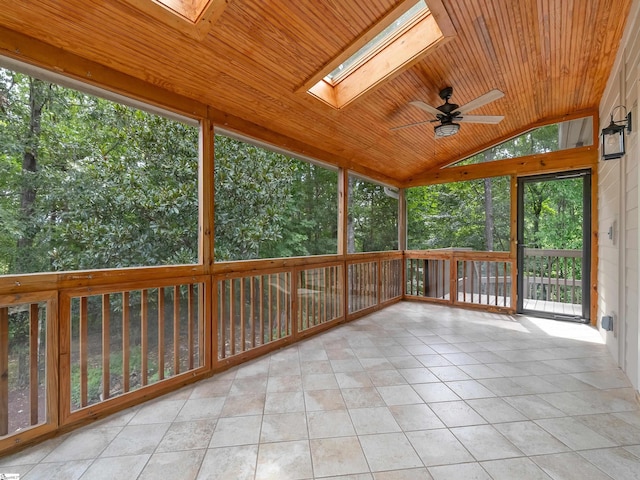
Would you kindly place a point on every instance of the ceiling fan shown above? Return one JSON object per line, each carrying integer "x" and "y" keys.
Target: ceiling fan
{"x": 450, "y": 113}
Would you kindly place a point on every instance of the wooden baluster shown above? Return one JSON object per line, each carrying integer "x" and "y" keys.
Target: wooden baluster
{"x": 34, "y": 311}
{"x": 242, "y": 315}
{"x": 176, "y": 329}
{"x": 4, "y": 371}
{"x": 232, "y": 314}
{"x": 278, "y": 307}
{"x": 126, "y": 373}
{"x": 192, "y": 319}
{"x": 252, "y": 312}
{"x": 144, "y": 337}
{"x": 270, "y": 311}
{"x": 84, "y": 351}
{"x": 222, "y": 321}
{"x": 106, "y": 346}
{"x": 161, "y": 333}
{"x": 261, "y": 306}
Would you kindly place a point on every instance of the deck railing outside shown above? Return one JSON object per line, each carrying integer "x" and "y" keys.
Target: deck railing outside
{"x": 553, "y": 275}
{"x": 476, "y": 279}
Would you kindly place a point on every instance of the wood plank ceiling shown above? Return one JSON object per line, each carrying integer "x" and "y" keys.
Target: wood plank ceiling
{"x": 551, "y": 58}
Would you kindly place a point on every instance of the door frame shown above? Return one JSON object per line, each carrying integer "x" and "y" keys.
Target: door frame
{"x": 586, "y": 242}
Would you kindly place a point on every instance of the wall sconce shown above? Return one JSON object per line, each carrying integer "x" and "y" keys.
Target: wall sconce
{"x": 613, "y": 136}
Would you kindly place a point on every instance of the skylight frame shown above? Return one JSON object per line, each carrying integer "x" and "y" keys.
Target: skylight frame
{"x": 428, "y": 31}
{"x": 381, "y": 41}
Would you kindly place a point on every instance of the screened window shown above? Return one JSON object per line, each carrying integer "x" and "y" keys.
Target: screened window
{"x": 372, "y": 222}
{"x": 87, "y": 183}
{"x": 473, "y": 215}
{"x": 270, "y": 205}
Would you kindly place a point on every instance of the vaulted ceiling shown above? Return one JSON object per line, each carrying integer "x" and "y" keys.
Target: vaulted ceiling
{"x": 249, "y": 59}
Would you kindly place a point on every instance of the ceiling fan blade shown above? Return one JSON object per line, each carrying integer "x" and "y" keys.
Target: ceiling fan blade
{"x": 411, "y": 125}
{"x": 481, "y": 101}
{"x": 493, "y": 119}
{"x": 426, "y": 108}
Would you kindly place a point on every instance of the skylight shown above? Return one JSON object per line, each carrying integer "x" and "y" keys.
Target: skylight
{"x": 389, "y": 34}
{"x": 403, "y": 37}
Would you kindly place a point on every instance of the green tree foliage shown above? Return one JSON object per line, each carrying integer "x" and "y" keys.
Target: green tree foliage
{"x": 269, "y": 205}
{"x": 88, "y": 183}
{"x": 372, "y": 219}
{"x": 454, "y": 215}
{"x": 554, "y": 214}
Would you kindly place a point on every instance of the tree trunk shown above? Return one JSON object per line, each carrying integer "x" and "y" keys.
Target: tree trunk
{"x": 489, "y": 155}
{"x": 351, "y": 238}
{"x": 37, "y": 101}
{"x": 489, "y": 216}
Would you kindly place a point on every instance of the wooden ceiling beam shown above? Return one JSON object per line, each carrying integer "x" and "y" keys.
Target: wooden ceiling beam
{"x": 553, "y": 162}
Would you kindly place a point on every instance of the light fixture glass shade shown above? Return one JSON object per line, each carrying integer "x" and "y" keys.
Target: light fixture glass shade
{"x": 446, "y": 129}
{"x": 612, "y": 141}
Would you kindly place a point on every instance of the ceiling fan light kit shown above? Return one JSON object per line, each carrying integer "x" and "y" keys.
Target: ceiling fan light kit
{"x": 450, "y": 113}
{"x": 446, "y": 129}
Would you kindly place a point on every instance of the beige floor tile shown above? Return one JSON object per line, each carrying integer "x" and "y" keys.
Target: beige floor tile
{"x": 284, "y": 402}
{"x": 405, "y": 474}
{"x": 386, "y": 378}
{"x": 320, "y": 381}
{"x": 449, "y": 374}
{"x": 353, "y": 380}
{"x": 252, "y": 385}
{"x": 533, "y": 407}
{"x": 346, "y": 365}
{"x": 433, "y": 360}
{"x": 574, "y": 434}
{"x": 187, "y": 435}
{"x": 232, "y": 431}
{"x": 136, "y": 440}
{"x": 530, "y": 438}
{"x": 83, "y": 444}
{"x": 495, "y": 410}
{"x": 373, "y": 420}
{"x": 618, "y": 463}
{"x": 514, "y": 468}
{"x": 201, "y": 408}
{"x": 183, "y": 465}
{"x": 457, "y": 414}
{"x": 211, "y": 387}
{"x": 418, "y": 375}
{"x": 67, "y": 470}
{"x": 285, "y": 383}
{"x": 362, "y": 397}
{"x": 284, "y": 427}
{"x": 399, "y": 395}
{"x": 157, "y": 412}
{"x": 332, "y": 423}
{"x": 415, "y": 417}
{"x": 337, "y": 456}
{"x": 389, "y": 451}
{"x": 484, "y": 442}
{"x": 438, "y": 447}
{"x": 229, "y": 462}
{"x": 569, "y": 466}
{"x": 125, "y": 467}
{"x": 479, "y": 371}
{"x": 324, "y": 400}
{"x": 460, "y": 358}
{"x": 250, "y": 404}
{"x": 435, "y": 392}
{"x": 468, "y": 389}
{"x": 613, "y": 427}
{"x": 463, "y": 471}
{"x": 284, "y": 461}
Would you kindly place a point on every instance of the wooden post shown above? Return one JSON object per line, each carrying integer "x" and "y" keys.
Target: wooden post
{"x": 106, "y": 346}
{"x": 33, "y": 362}
{"x": 4, "y": 371}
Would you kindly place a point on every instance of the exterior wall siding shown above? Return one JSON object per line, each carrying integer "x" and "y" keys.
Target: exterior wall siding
{"x": 618, "y": 264}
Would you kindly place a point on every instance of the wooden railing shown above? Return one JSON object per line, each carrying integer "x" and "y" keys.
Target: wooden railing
{"x": 461, "y": 277}
{"x": 259, "y": 307}
{"x": 101, "y": 341}
{"x": 552, "y": 275}
{"x": 116, "y": 341}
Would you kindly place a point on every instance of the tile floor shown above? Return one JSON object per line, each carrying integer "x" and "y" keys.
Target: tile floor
{"x": 413, "y": 392}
